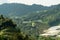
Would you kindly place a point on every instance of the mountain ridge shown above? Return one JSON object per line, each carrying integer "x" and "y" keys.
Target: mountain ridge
{"x": 20, "y": 9}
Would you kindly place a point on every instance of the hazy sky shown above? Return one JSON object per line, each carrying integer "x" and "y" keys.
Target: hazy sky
{"x": 29, "y": 2}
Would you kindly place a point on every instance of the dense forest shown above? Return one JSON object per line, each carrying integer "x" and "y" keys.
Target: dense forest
{"x": 8, "y": 30}
{"x": 27, "y": 22}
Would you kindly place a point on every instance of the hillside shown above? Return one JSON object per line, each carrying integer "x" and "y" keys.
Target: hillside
{"x": 36, "y": 22}
{"x": 51, "y": 16}
{"x": 15, "y": 9}
{"x": 32, "y": 19}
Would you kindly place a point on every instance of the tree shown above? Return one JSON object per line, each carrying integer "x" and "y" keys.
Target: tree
{"x": 8, "y": 30}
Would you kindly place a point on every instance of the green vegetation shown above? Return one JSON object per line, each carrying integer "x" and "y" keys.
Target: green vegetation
{"x": 30, "y": 21}
{"x": 8, "y": 30}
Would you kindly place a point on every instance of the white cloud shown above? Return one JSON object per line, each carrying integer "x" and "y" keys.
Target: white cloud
{"x": 3, "y": 1}
{"x": 43, "y": 2}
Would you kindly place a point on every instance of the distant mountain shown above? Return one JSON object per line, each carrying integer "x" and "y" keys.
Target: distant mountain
{"x": 19, "y": 9}
{"x": 51, "y": 16}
